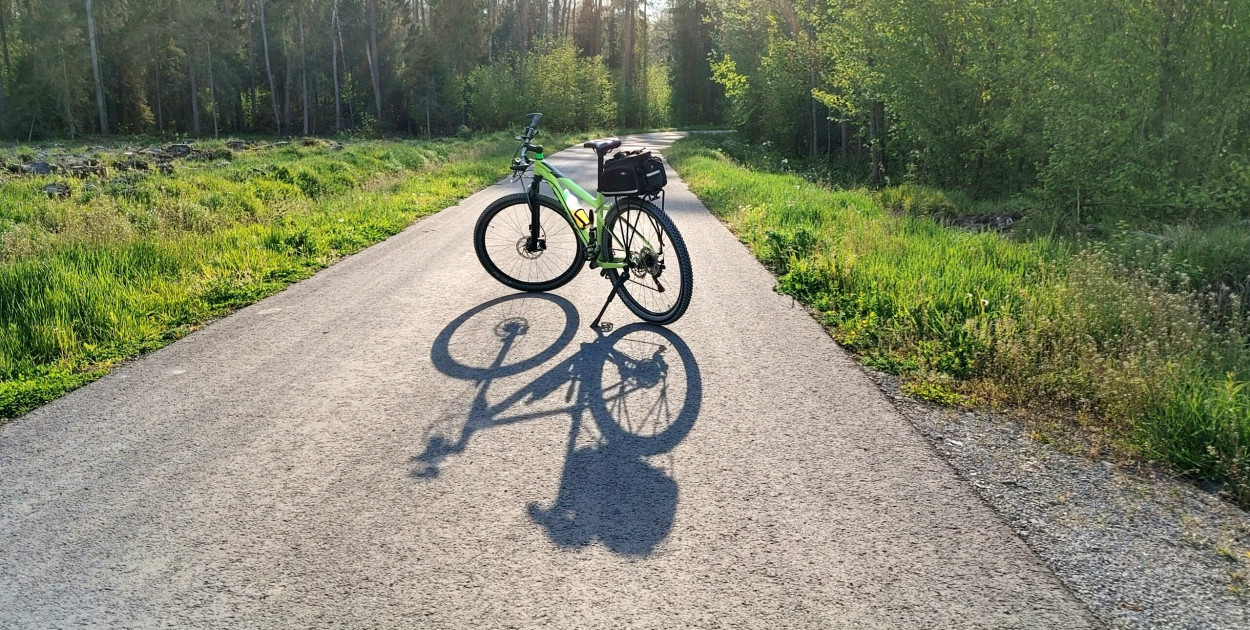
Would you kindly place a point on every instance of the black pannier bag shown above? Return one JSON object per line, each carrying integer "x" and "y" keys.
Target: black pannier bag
{"x": 633, "y": 173}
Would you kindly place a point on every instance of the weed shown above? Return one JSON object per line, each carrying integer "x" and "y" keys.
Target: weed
{"x": 936, "y": 392}
{"x": 146, "y": 257}
{"x": 1123, "y": 342}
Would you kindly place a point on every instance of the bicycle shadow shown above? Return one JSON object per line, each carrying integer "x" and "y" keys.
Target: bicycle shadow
{"x": 640, "y": 387}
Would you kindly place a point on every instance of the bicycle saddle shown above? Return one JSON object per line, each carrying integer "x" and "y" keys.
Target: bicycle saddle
{"x": 604, "y": 145}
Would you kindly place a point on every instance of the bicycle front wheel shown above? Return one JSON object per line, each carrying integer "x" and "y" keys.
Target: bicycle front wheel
{"x": 660, "y": 280}
{"x": 502, "y": 240}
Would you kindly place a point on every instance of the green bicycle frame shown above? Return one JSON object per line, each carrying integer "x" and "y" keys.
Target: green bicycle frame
{"x": 561, "y": 185}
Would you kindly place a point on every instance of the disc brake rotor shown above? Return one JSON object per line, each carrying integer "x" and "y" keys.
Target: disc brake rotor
{"x": 648, "y": 263}
{"x": 525, "y": 252}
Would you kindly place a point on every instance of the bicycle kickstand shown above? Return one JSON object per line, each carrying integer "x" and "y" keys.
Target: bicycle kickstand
{"x": 616, "y": 287}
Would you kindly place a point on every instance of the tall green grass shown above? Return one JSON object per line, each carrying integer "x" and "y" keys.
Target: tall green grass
{"x": 127, "y": 264}
{"x": 1025, "y": 322}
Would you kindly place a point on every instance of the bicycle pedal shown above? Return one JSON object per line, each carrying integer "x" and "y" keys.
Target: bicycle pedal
{"x": 605, "y": 327}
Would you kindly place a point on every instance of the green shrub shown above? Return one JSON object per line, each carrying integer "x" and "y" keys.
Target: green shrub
{"x": 916, "y": 201}
{"x": 935, "y": 392}
{"x": 91, "y": 280}
{"x": 573, "y": 92}
{"x": 1039, "y": 321}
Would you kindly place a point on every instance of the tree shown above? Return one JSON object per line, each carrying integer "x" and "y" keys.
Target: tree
{"x": 273, "y": 90}
{"x": 95, "y": 70}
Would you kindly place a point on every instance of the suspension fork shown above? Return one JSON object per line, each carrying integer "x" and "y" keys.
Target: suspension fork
{"x": 535, "y": 241}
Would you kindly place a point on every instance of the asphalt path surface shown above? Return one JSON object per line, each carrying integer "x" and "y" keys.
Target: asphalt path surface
{"x": 400, "y": 441}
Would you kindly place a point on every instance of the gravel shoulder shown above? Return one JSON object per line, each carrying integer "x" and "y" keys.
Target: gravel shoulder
{"x": 1140, "y": 547}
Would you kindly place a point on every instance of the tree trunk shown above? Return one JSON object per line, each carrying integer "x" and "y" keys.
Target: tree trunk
{"x": 597, "y": 26}
{"x": 251, "y": 62}
{"x": 303, "y": 70}
{"x": 348, "y": 77}
{"x": 4, "y": 111}
{"x": 95, "y": 70}
{"x": 239, "y": 117}
{"x": 645, "y": 66}
{"x": 195, "y": 93}
{"x": 369, "y": 62}
{"x": 212, "y": 92}
{"x": 4, "y": 43}
{"x": 815, "y": 128}
{"x": 69, "y": 114}
{"x": 334, "y": 62}
{"x": 876, "y": 123}
{"x": 629, "y": 44}
{"x": 160, "y": 109}
{"x": 375, "y": 68}
{"x": 4, "y": 38}
{"x": 273, "y": 88}
{"x": 286, "y": 93}
{"x": 523, "y": 18}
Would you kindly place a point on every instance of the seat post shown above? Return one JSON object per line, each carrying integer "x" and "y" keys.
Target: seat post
{"x": 600, "y": 154}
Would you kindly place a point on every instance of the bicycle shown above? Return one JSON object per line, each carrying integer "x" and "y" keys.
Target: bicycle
{"x": 534, "y": 242}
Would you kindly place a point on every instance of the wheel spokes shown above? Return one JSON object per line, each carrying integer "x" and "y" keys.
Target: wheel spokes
{"x": 643, "y": 239}
{"x": 506, "y": 242}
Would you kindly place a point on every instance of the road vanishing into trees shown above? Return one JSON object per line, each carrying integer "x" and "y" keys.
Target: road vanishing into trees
{"x": 400, "y": 441}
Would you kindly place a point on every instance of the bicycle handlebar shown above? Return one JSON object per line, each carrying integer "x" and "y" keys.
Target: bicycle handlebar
{"x": 520, "y": 163}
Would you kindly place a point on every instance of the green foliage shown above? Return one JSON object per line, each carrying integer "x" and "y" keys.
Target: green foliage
{"x": 1038, "y": 321}
{"x": 105, "y": 275}
{"x": 175, "y": 67}
{"x": 571, "y": 92}
{"x": 1116, "y": 101}
{"x": 695, "y": 97}
{"x": 783, "y": 248}
{"x": 916, "y": 201}
{"x": 1202, "y": 427}
{"x": 936, "y": 392}
{"x": 771, "y": 102}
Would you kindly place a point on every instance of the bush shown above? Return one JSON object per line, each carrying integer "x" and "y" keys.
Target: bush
{"x": 916, "y": 201}
{"x": 91, "y": 280}
{"x": 1034, "y": 321}
{"x": 573, "y": 93}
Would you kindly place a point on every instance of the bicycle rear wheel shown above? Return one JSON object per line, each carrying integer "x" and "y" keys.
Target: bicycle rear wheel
{"x": 501, "y": 239}
{"x": 660, "y": 281}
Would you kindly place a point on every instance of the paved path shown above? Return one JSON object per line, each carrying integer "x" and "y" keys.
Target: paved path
{"x": 396, "y": 443}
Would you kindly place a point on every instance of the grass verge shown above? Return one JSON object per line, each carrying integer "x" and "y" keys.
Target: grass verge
{"x": 127, "y": 264}
{"x": 967, "y": 316}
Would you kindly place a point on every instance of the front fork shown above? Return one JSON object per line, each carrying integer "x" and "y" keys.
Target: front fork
{"x": 535, "y": 242}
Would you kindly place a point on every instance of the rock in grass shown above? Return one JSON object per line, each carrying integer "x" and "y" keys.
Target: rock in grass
{"x": 88, "y": 170}
{"x": 166, "y": 168}
{"x": 37, "y": 168}
{"x": 178, "y": 150}
{"x": 133, "y": 164}
{"x": 213, "y": 155}
{"x": 57, "y": 190}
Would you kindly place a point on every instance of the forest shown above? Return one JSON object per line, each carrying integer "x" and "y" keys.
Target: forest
{"x": 302, "y": 67}
{"x": 1109, "y": 101}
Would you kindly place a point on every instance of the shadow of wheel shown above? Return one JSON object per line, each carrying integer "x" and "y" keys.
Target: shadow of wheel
{"x": 507, "y": 318}
{"x": 640, "y": 370}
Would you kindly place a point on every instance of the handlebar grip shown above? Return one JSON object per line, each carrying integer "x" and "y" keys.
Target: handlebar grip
{"x": 534, "y": 118}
